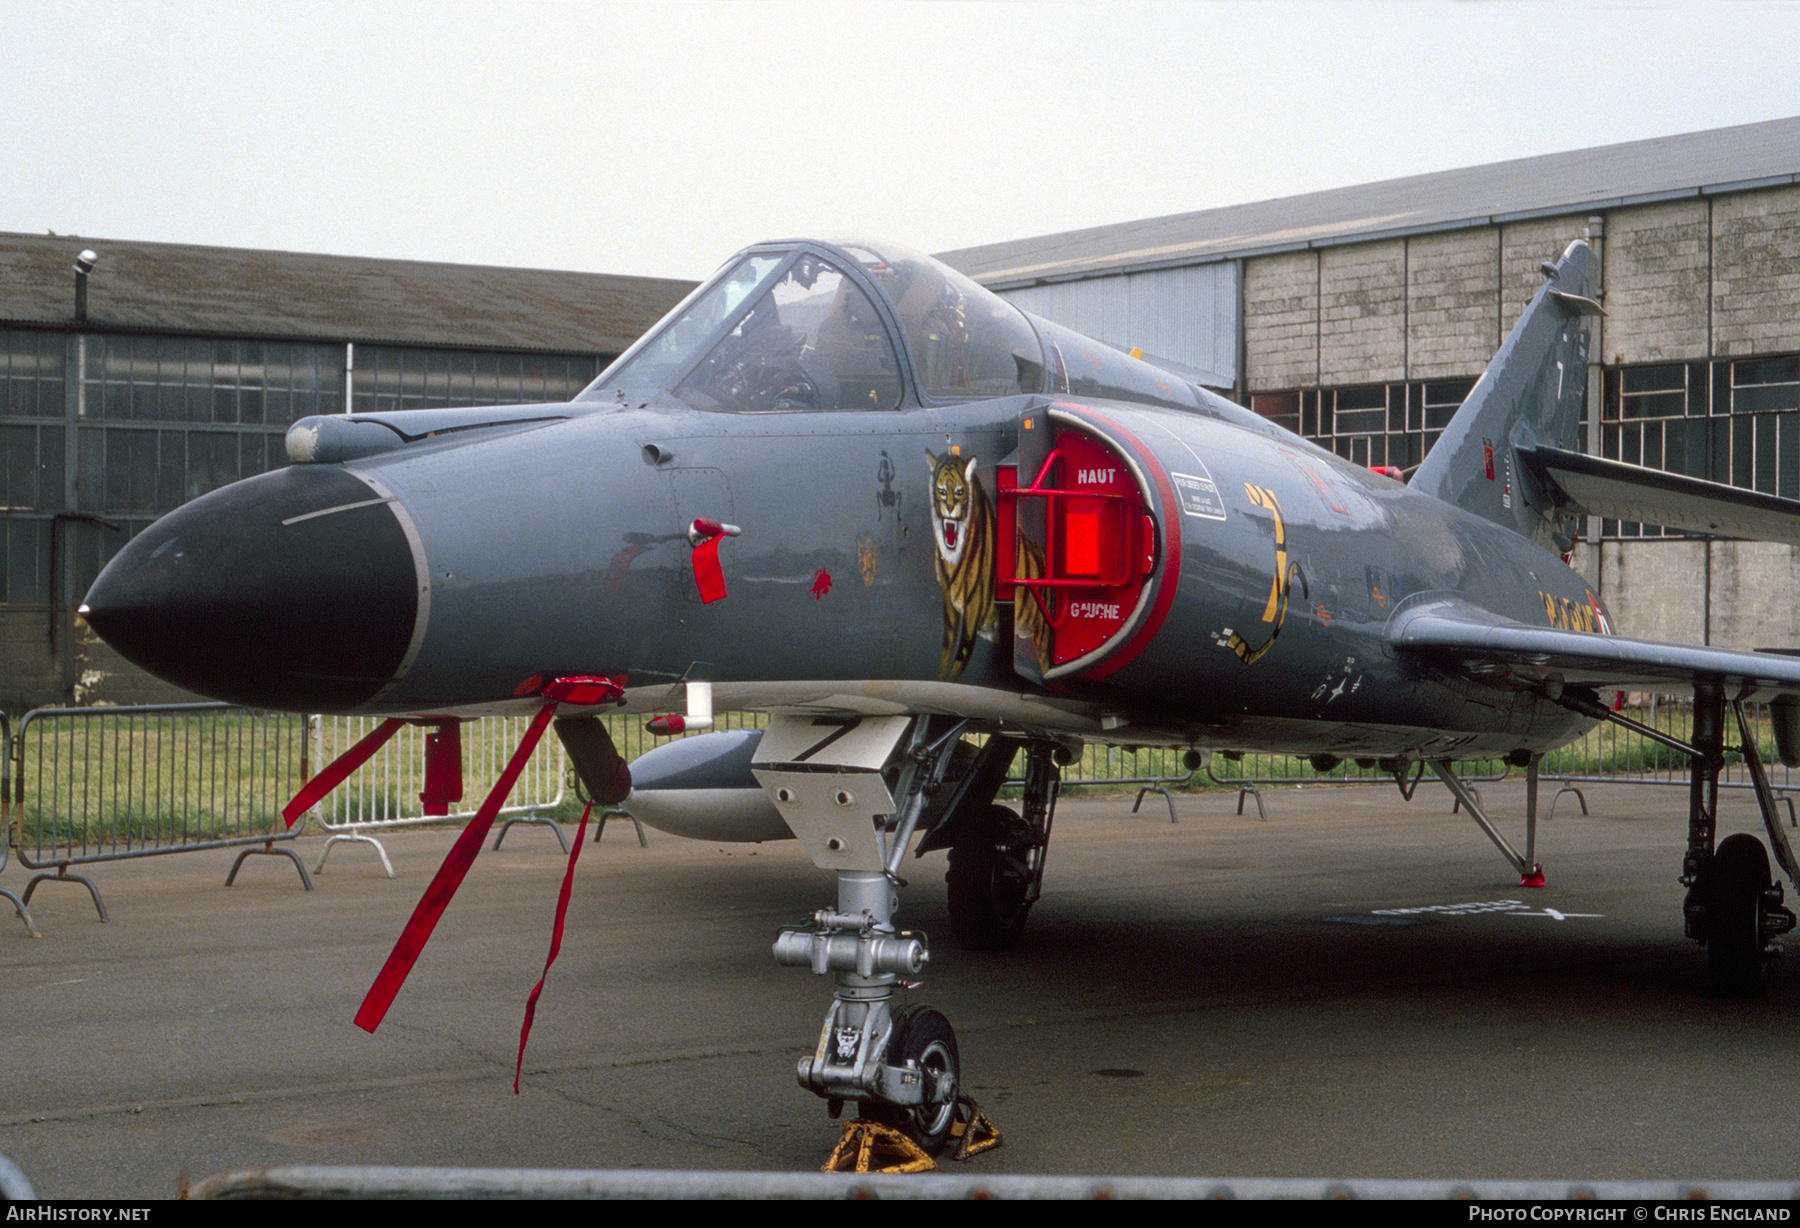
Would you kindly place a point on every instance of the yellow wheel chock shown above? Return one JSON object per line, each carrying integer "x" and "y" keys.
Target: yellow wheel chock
{"x": 973, "y": 1133}
{"x": 871, "y": 1147}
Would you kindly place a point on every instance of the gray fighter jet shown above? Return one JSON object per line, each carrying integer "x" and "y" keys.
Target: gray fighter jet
{"x": 931, "y": 535}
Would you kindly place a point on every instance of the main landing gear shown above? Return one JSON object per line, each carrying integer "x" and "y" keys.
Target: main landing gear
{"x": 855, "y": 791}
{"x": 1733, "y": 907}
{"x": 997, "y": 859}
{"x": 990, "y": 879}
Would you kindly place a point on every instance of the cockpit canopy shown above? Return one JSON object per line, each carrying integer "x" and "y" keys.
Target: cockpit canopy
{"x": 810, "y": 326}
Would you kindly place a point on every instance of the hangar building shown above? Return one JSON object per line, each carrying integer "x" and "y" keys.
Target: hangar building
{"x": 1361, "y": 317}
{"x": 189, "y": 367}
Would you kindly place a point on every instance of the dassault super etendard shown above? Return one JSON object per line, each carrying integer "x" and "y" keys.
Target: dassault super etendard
{"x": 930, "y": 536}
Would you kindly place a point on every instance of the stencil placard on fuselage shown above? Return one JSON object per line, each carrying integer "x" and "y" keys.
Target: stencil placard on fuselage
{"x": 1198, "y": 495}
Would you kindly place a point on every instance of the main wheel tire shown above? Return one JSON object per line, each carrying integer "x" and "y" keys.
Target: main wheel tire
{"x": 923, "y": 1037}
{"x": 990, "y": 880}
{"x": 1736, "y": 880}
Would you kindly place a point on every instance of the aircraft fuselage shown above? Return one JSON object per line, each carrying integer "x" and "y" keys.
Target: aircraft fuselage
{"x": 446, "y": 575}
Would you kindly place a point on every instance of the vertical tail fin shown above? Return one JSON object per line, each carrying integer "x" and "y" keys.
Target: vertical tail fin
{"x": 1531, "y": 394}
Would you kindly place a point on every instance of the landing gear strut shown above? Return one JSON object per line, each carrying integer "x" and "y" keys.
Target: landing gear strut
{"x": 1733, "y": 907}
{"x": 854, "y": 791}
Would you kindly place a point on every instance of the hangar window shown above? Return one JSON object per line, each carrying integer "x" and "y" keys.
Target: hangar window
{"x": 31, "y": 373}
{"x": 1377, "y": 425}
{"x": 1765, "y": 385}
{"x": 1349, "y": 421}
{"x": 151, "y": 422}
{"x": 1735, "y": 421}
{"x": 390, "y": 377}
{"x": 1654, "y": 415}
{"x": 1281, "y": 408}
{"x": 1358, "y": 412}
{"x": 1437, "y": 404}
{"x": 32, "y": 448}
{"x": 1765, "y": 425}
{"x": 1671, "y": 390}
{"x": 210, "y": 380}
{"x": 31, "y": 478}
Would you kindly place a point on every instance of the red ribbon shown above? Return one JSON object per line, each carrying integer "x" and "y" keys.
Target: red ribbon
{"x": 448, "y": 878}
{"x": 556, "y": 933}
{"x": 339, "y": 769}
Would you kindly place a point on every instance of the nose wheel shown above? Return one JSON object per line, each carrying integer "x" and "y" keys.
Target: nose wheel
{"x": 923, "y": 1043}
{"x": 889, "y": 1137}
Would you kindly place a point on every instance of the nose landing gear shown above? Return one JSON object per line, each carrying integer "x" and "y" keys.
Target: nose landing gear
{"x": 854, "y": 791}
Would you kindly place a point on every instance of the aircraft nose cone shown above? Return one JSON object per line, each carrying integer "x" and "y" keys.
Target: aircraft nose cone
{"x": 295, "y": 590}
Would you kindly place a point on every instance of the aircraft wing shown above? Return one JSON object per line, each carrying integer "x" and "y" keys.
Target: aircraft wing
{"x": 1484, "y": 645}
{"x": 1651, "y": 496}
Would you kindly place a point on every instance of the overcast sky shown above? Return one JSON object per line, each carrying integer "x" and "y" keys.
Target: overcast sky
{"x": 660, "y": 137}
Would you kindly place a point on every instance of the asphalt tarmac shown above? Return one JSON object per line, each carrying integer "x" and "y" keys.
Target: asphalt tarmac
{"x": 1311, "y": 995}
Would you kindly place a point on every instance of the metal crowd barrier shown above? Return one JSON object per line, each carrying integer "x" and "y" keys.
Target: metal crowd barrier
{"x": 1607, "y": 754}
{"x": 1250, "y": 773}
{"x": 1610, "y": 754}
{"x": 86, "y": 785}
{"x": 6, "y": 833}
{"x": 383, "y": 794}
{"x": 1154, "y": 769}
{"x": 104, "y": 784}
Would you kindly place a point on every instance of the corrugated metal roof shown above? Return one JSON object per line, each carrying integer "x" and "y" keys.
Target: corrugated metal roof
{"x": 239, "y": 292}
{"x": 1723, "y": 159}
